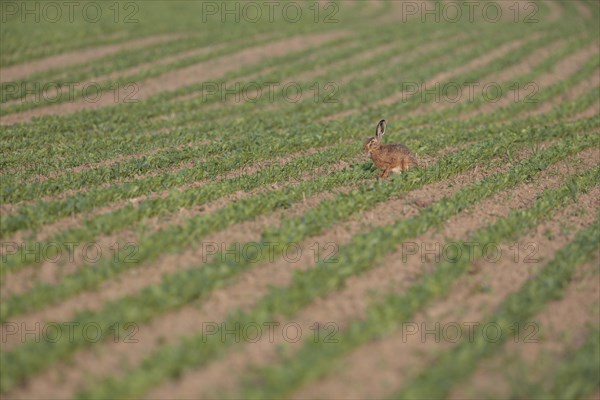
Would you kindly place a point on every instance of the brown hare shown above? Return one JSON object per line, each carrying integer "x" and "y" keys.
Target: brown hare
{"x": 388, "y": 157}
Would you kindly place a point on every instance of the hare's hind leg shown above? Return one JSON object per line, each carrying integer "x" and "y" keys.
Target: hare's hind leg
{"x": 386, "y": 172}
{"x": 406, "y": 164}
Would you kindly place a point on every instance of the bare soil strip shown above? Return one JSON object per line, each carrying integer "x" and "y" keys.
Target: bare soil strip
{"x": 591, "y": 111}
{"x": 55, "y": 92}
{"x": 204, "y": 71}
{"x": 44, "y": 232}
{"x": 71, "y": 375}
{"x": 555, "y": 10}
{"x": 20, "y": 71}
{"x": 562, "y": 325}
{"x": 399, "y": 356}
{"x": 211, "y": 379}
{"x": 443, "y": 76}
{"x": 521, "y": 68}
{"x": 583, "y": 9}
{"x": 144, "y": 275}
{"x": 52, "y": 272}
{"x": 561, "y": 71}
{"x": 571, "y": 94}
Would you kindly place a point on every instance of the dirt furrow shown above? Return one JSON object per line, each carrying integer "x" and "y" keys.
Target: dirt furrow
{"x": 523, "y": 67}
{"x": 250, "y": 287}
{"x": 399, "y": 356}
{"x": 132, "y": 281}
{"x": 203, "y": 71}
{"x": 583, "y": 10}
{"x": 561, "y": 71}
{"x": 51, "y": 272}
{"x": 591, "y": 111}
{"x": 165, "y": 329}
{"x": 572, "y": 93}
{"x": 211, "y": 378}
{"x": 555, "y": 10}
{"x": 442, "y": 76}
{"x": 46, "y": 231}
{"x": 20, "y": 71}
{"x": 562, "y": 325}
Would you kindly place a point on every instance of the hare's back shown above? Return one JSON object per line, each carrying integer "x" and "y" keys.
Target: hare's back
{"x": 396, "y": 155}
{"x": 393, "y": 152}
{"x": 397, "y": 148}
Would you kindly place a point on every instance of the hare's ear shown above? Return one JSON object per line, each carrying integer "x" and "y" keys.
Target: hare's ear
{"x": 380, "y": 129}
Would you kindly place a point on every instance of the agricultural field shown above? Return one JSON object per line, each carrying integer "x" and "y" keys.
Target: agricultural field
{"x": 187, "y": 210}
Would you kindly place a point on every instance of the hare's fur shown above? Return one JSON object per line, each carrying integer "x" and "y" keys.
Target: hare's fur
{"x": 388, "y": 157}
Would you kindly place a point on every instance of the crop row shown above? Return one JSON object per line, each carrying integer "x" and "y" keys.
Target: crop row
{"x": 129, "y": 138}
{"x": 130, "y": 215}
{"x": 547, "y": 285}
{"x": 135, "y": 166}
{"x": 235, "y": 135}
{"x": 145, "y": 143}
{"x": 29, "y": 40}
{"x": 146, "y": 109}
{"x": 574, "y": 377}
{"x": 362, "y": 253}
{"x": 246, "y": 148}
{"x": 183, "y": 287}
{"x": 113, "y": 63}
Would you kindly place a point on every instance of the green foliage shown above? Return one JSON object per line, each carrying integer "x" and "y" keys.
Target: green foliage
{"x": 188, "y": 148}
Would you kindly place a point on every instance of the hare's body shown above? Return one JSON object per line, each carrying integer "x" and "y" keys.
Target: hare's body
{"x": 389, "y": 157}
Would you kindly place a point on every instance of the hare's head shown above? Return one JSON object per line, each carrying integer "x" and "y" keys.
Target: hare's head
{"x": 375, "y": 142}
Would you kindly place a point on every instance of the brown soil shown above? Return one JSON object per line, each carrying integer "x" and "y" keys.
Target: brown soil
{"x": 163, "y": 329}
{"x": 583, "y": 9}
{"x": 52, "y": 272}
{"x": 522, "y": 68}
{"x": 591, "y": 111}
{"x": 20, "y": 71}
{"x": 204, "y": 71}
{"x": 555, "y": 10}
{"x": 224, "y": 373}
{"x": 73, "y": 221}
{"x": 443, "y": 76}
{"x": 563, "y": 325}
{"x": 114, "y": 76}
{"x": 226, "y": 294}
{"x": 561, "y": 71}
{"x": 571, "y": 94}
{"x": 395, "y": 358}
